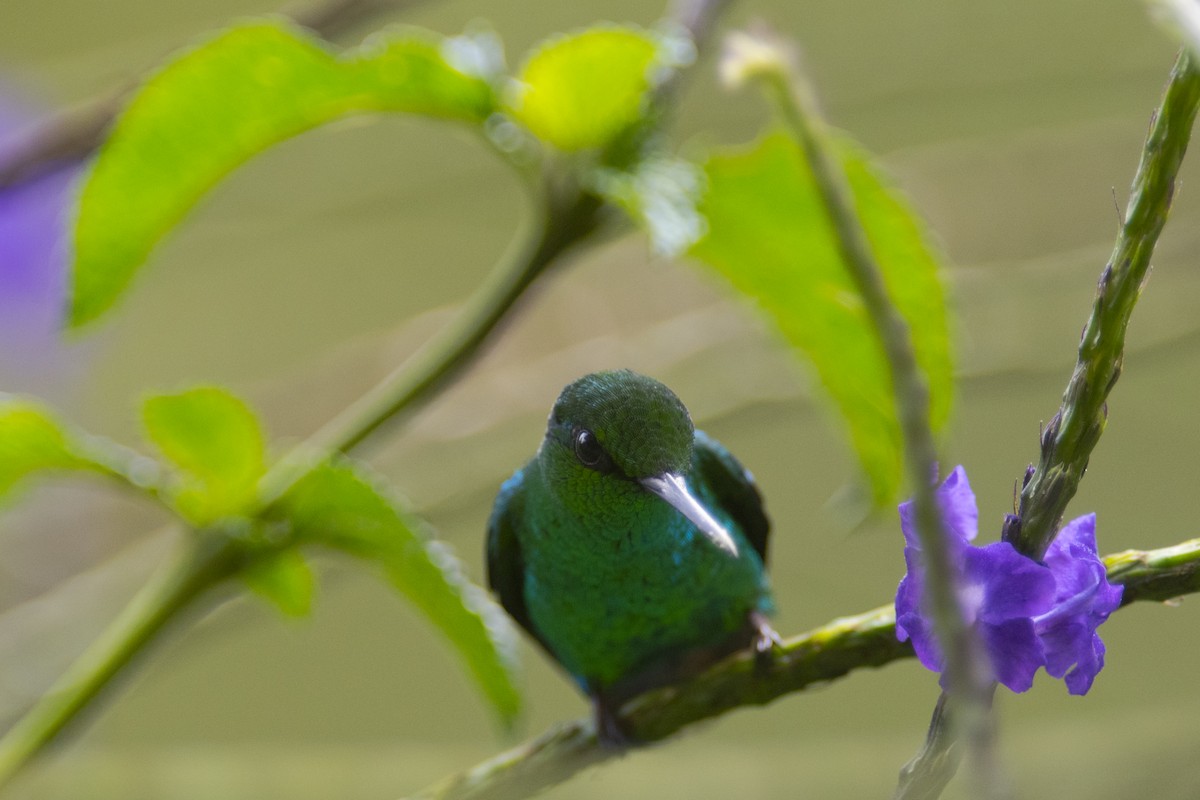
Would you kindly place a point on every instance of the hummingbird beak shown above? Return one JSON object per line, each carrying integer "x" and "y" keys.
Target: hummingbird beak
{"x": 672, "y": 488}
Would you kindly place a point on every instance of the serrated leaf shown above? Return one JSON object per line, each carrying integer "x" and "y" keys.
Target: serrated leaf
{"x": 216, "y": 442}
{"x": 338, "y": 506}
{"x": 213, "y": 107}
{"x": 32, "y": 441}
{"x": 769, "y": 237}
{"x": 580, "y": 91}
{"x": 285, "y": 579}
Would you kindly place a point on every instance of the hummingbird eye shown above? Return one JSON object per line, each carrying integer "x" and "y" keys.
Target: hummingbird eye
{"x": 590, "y": 452}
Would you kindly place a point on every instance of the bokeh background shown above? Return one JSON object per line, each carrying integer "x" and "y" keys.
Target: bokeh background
{"x": 1015, "y": 128}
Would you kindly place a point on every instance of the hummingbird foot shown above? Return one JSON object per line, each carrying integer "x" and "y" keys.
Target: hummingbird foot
{"x": 766, "y": 641}
{"x": 608, "y": 726}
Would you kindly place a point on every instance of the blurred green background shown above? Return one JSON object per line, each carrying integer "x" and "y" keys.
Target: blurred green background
{"x": 316, "y": 268}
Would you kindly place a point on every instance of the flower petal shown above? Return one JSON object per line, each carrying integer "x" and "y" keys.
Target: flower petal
{"x": 1079, "y": 680}
{"x": 912, "y": 624}
{"x": 1072, "y": 556}
{"x": 1015, "y": 652}
{"x": 1083, "y": 600}
{"x": 33, "y": 263}
{"x": 1064, "y": 644}
{"x": 959, "y": 513}
{"x": 908, "y": 602}
{"x": 1079, "y": 532}
{"x": 917, "y": 628}
{"x": 1005, "y": 584}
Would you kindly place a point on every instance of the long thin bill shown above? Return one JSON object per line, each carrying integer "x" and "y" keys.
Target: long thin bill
{"x": 672, "y": 488}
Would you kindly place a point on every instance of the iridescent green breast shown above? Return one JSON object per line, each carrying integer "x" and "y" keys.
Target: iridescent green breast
{"x": 631, "y": 583}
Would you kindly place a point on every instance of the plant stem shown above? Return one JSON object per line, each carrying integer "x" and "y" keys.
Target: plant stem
{"x": 568, "y": 218}
{"x": 1156, "y": 575}
{"x": 926, "y": 774}
{"x": 815, "y": 658}
{"x": 330, "y": 18}
{"x": 967, "y": 674}
{"x": 1068, "y": 438}
{"x": 205, "y": 561}
{"x": 68, "y": 137}
{"x": 565, "y": 222}
{"x": 126, "y": 467}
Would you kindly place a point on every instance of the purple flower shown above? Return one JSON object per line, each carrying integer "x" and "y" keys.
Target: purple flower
{"x": 1083, "y": 599}
{"x": 1027, "y": 615}
{"x": 33, "y": 252}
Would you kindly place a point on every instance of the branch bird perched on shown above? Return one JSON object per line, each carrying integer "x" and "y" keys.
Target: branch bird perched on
{"x": 632, "y": 547}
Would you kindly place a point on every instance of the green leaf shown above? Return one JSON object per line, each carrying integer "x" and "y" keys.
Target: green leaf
{"x": 216, "y": 441}
{"x": 213, "y": 107}
{"x": 580, "y": 91}
{"x": 32, "y": 441}
{"x": 338, "y": 506}
{"x": 285, "y": 579}
{"x": 769, "y": 237}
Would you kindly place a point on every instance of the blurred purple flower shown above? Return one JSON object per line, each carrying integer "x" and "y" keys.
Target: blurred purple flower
{"x": 1027, "y": 615}
{"x": 33, "y": 226}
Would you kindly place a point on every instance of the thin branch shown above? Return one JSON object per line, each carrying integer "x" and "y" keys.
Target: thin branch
{"x": 927, "y": 774}
{"x": 332, "y": 18}
{"x": 1071, "y": 434}
{"x": 567, "y": 218}
{"x": 1156, "y": 575}
{"x": 967, "y": 674}
{"x": 565, "y": 222}
{"x": 697, "y": 18}
{"x": 154, "y": 606}
{"x": 827, "y": 653}
{"x": 126, "y": 467}
{"x": 61, "y": 140}
{"x": 68, "y": 137}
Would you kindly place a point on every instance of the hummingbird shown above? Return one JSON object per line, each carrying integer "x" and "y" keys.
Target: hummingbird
{"x": 632, "y": 547}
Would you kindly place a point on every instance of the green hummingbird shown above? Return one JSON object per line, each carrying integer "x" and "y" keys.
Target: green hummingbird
{"x": 632, "y": 546}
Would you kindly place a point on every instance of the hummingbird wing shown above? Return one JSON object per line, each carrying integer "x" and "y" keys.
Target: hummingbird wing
{"x": 505, "y": 566}
{"x": 733, "y": 489}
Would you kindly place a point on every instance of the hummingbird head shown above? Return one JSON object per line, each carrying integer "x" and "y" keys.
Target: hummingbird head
{"x": 624, "y": 424}
{"x": 620, "y": 432}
